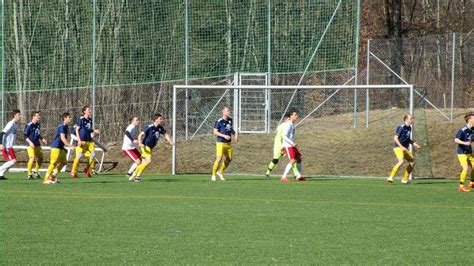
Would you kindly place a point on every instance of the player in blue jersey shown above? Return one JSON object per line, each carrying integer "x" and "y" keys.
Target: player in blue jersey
{"x": 85, "y": 145}
{"x": 224, "y": 131}
{"x": 464, "y": 138}
{"x": 58, "y": 151}
{"x": 147, "y": 140}
{"x": 401, "y": 144}
{"x": 33, "y": 141}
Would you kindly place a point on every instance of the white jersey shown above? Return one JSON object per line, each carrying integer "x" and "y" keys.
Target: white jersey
{"x": 127, "y": 142}
{"x": 288, "y": 134}
{"x": 9, "y": 134}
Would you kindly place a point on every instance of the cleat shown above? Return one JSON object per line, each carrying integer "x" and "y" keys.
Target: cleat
{"x": 57, "y": 180}
{"x": 284, "y": 179}
{"x": 463, "y": 189}
{"x": 3, "y": 178}
{"x": 389, "y": 180}
{"x": 74, "y": 175}
{"x": 137, "y": 179}
{"x": 267, "y": 175}
{"x": 300, "y": 179}
{"x": 404, "y": 181}
{"x": 29, "y": 177}
{"x": 48, "y": 182}
{"x": 129, "y": 175}
{"x": 213, "y": 178}
{"x": 472, "y": 184}
{"x": 221, "y": 176}
{"x": 87, "y": 172}
{"x": 94, "y": 172}
{"x": 36, "y": 175}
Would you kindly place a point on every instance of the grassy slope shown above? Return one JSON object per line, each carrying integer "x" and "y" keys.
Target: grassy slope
{"x": 244, "y": 220}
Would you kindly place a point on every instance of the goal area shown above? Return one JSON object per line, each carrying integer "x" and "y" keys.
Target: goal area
{"x": 342, "y": 130}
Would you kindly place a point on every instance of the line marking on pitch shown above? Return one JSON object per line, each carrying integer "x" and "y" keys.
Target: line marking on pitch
{"x": 48, "y": 194}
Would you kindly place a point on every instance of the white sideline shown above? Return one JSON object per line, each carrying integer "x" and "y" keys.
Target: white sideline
{"x": 48, "y": 148}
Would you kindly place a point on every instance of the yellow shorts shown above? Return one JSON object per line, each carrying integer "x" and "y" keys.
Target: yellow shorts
{"x": 407, "y": 155}
{"x": 224, "y": 149}
{"x": 146, "y": 152}
{"x": 277, "y": 152}
{"x": 36, "y": 152}
{"x": 466, "y": 159}
{"x": 58, "y": 156}
{"x": 87, "y": 148}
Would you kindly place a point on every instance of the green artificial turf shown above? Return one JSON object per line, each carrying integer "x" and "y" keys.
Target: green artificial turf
{"x": 243, "y": 220}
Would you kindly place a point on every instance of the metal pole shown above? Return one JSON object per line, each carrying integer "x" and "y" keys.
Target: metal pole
{"x": 453, "y": 65}
{"x": 3, "y": 62}
{"x": 173, "y": 148}
{"x": 186, "y": 66}
{"x": 367, "y": 82}
{"x": 356, "y": 59}
{"x": 93, "y": 61}
{"x": 269, "y": 66}
{"x": 412, "y": 106}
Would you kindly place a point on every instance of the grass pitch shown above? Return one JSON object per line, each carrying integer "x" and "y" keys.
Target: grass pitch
{"x": 244, "y": 220}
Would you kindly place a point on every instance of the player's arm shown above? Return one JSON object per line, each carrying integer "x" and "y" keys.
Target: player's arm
{"x": 95, "y": 132}
{"x": 140, "y": 138}
{"x": 167, "y": 137}
{"x": 43, "y": 139}
{"x": 216, "y": 132}
{"x": 458, "y": 140}
{"x": 397, "y": 141}
{"x": 76, "y": 129}
{"x": 1, "y": 139}
{"x": 64, "y": 140}
{"x": 235, "y": 135}
{"x": 26, "y": 133}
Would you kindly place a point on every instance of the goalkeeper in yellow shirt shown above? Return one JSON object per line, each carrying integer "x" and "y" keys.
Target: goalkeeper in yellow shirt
{"x": 277, "y": 148}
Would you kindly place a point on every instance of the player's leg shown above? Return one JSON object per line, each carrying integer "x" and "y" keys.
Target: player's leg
{"x": 10, "y": 157}
{"x": 471, "y": 160}
{"x": 219, "y": 153}
{"x": 134, "y": 155}
{"x": 291, "y": 153}
{"x": 39, "y": 161}
{"x": 146, "y": 160}
{"x": 53, "y": 160}
{"x": 62, "y": 161}
{"x": 297, "y": 166}
{"x": 91, "y": 149}
{"x": 464, "y": 161}
{"x": 75, "y": 164}
{"x": 276, "y": 157}
{"x": 400, "y": 157}
{"x": 227, "y": 154}
{"x": 31, "y": 160}
{"x": 411, "y": 165}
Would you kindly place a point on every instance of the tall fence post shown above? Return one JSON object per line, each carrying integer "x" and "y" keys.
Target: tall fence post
{"x": 269, "y": 65}
{"x": 93, "y": 60}
{"x": 356, "y": 60}
{"x": 3, "y": 63}
{"x": 173, "y": 148}
{"x": 186, "y": 66}
{"x": 367, "y": 82}
{"x": 453, "y": 65}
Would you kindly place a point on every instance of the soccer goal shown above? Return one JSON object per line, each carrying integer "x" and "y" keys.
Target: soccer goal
{"x": 342, "y": 130}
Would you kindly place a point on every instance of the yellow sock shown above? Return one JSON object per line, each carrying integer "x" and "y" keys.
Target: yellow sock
{"x": 140, "y": 169}
{"x": 224, "y": 166}
{"x": 75, "y": 165}
{"x": 30, "y": 167}
{"x": 214, "y": 167}
{"x": 394, "y": 171}
{"x": 38, "y": 165}
{"x": 407, "y": 172}
{"x": 91, "y": 163}
{"x": 49, "y": 171}
{"x": 462, "y": 178}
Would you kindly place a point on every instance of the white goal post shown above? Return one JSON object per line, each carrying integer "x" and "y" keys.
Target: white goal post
{"x": 322, "y": 95}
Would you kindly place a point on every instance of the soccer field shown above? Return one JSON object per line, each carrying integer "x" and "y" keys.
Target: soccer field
{"x": 244, "y": 220}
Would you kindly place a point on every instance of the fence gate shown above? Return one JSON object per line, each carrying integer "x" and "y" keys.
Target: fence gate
{"x": 253, "y": 104}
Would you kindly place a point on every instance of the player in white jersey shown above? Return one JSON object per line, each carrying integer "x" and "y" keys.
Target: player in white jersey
{"x": 7, "y": 139}
{"x": 128, "y": 147}
{"x": 289, "y": 148}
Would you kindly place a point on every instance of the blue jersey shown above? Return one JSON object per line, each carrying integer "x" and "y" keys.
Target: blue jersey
{"x": 32, "y": 132}
{"x": 85, "y": 128}
{"x": 465, "y": 134}
{"x": 57, "y": 142}
{"x": 152, "y": 135}
{"x": 404, "y": 135}
{"x": 224, "y": 127}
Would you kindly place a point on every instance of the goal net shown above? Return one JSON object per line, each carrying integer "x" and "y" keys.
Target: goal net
{"x": 341, "y": 130}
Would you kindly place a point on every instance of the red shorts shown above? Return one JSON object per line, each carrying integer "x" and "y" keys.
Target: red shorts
{"x": 8, "y": 154}
{"x": 133, "y": 154}
{"x": 292, "y": 153}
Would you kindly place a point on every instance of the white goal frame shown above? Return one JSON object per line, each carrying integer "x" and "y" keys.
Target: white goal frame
{"x": 355, "y": 88}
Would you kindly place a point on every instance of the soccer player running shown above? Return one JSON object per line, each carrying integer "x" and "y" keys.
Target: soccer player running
{"x": 290, "y": 149}
{"x": 85, "y": 145}
{"x": 401, "y": 143}
{"x": 128, "y": 147}
{"x": 223, "y": 130}
{"x": 7, "y": 138}
{"x": 34, "y": 150}
{"x": 464, "y": 138}
{"x": 147, "y": 139}
{"x": 58, "y": 151}
{"x": 277, "y": 148}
